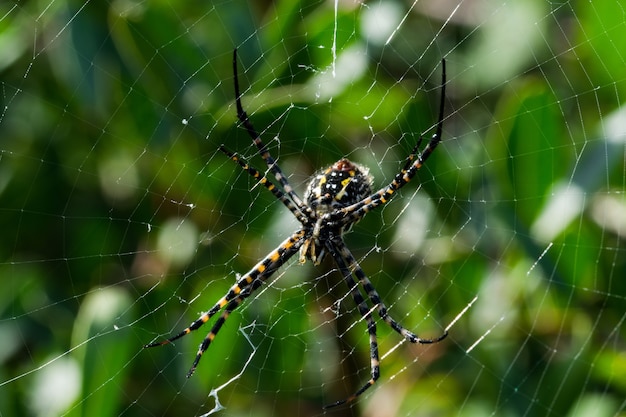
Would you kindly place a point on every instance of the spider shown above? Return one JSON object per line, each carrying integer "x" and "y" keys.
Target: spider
{"x": 335, "y": 199}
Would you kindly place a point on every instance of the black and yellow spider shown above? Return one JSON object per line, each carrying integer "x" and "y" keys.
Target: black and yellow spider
{"x": 335, "y": 199}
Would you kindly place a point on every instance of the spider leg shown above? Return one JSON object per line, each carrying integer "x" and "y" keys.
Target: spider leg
{"x": 438, "y": 132}
{"x": 230, "y": 307}
{"x": 349, "y": 267}
{"x": 277, "y": 192}
{"x": 238, "y": 292}
{"x": 365, "y": 312}
{"x": 256, "y": 138}
{"x": 375, "y": 299}
{"x": 414, "y": 162}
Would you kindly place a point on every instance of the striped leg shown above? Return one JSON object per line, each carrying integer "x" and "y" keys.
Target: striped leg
{"x": 256, "y": 138}
{"x": 238, "y": 292}
{"x": 230, "y": 307}
{"x": 351, "y": 214}
{"x": 348, "y": 266}
{"x": 277, "y": 192}
{"x": 375, "y": 299}
{"x": 366, "y": 314}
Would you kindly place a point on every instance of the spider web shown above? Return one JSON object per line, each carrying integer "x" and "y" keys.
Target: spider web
{"x": 122, "y": 222}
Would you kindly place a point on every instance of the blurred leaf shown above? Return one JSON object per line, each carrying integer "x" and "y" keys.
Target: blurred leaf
{"x": 103, "y": 349}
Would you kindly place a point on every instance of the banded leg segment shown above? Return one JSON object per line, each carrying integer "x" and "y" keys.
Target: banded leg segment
{"x": 349, "y": 268}
{"x": 242, "y": 289}
{"x": 230, "y": 307}
{"x": 353, "y": 266}
{"x": 256, "y": 138}
{"x": 414, "y": 162}
{"x": 277, "y": 192}
{"x": 276, "y": 263}
{"x": 366, "y": 314}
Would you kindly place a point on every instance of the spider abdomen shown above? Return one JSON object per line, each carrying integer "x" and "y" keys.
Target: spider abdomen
{"x": 340, "y": 185}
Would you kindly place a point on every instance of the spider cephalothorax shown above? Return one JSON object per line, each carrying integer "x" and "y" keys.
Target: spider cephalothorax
{"x": 336, "y": 198}
{"x": 340, "y": 185}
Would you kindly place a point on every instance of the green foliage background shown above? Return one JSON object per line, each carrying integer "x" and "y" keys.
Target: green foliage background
{"x": 121, "y": 221}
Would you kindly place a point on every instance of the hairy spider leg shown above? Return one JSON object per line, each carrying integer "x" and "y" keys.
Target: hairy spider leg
{"x": 242, "y": 289}
{"x": 256, "y": 138}
{"x": 356, "y": 211}
{"x": 349, "y": 268}
{"x": 277, "y": 192}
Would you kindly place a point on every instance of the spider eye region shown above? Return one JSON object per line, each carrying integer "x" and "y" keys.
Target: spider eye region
{"x": 340, "y": 185}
